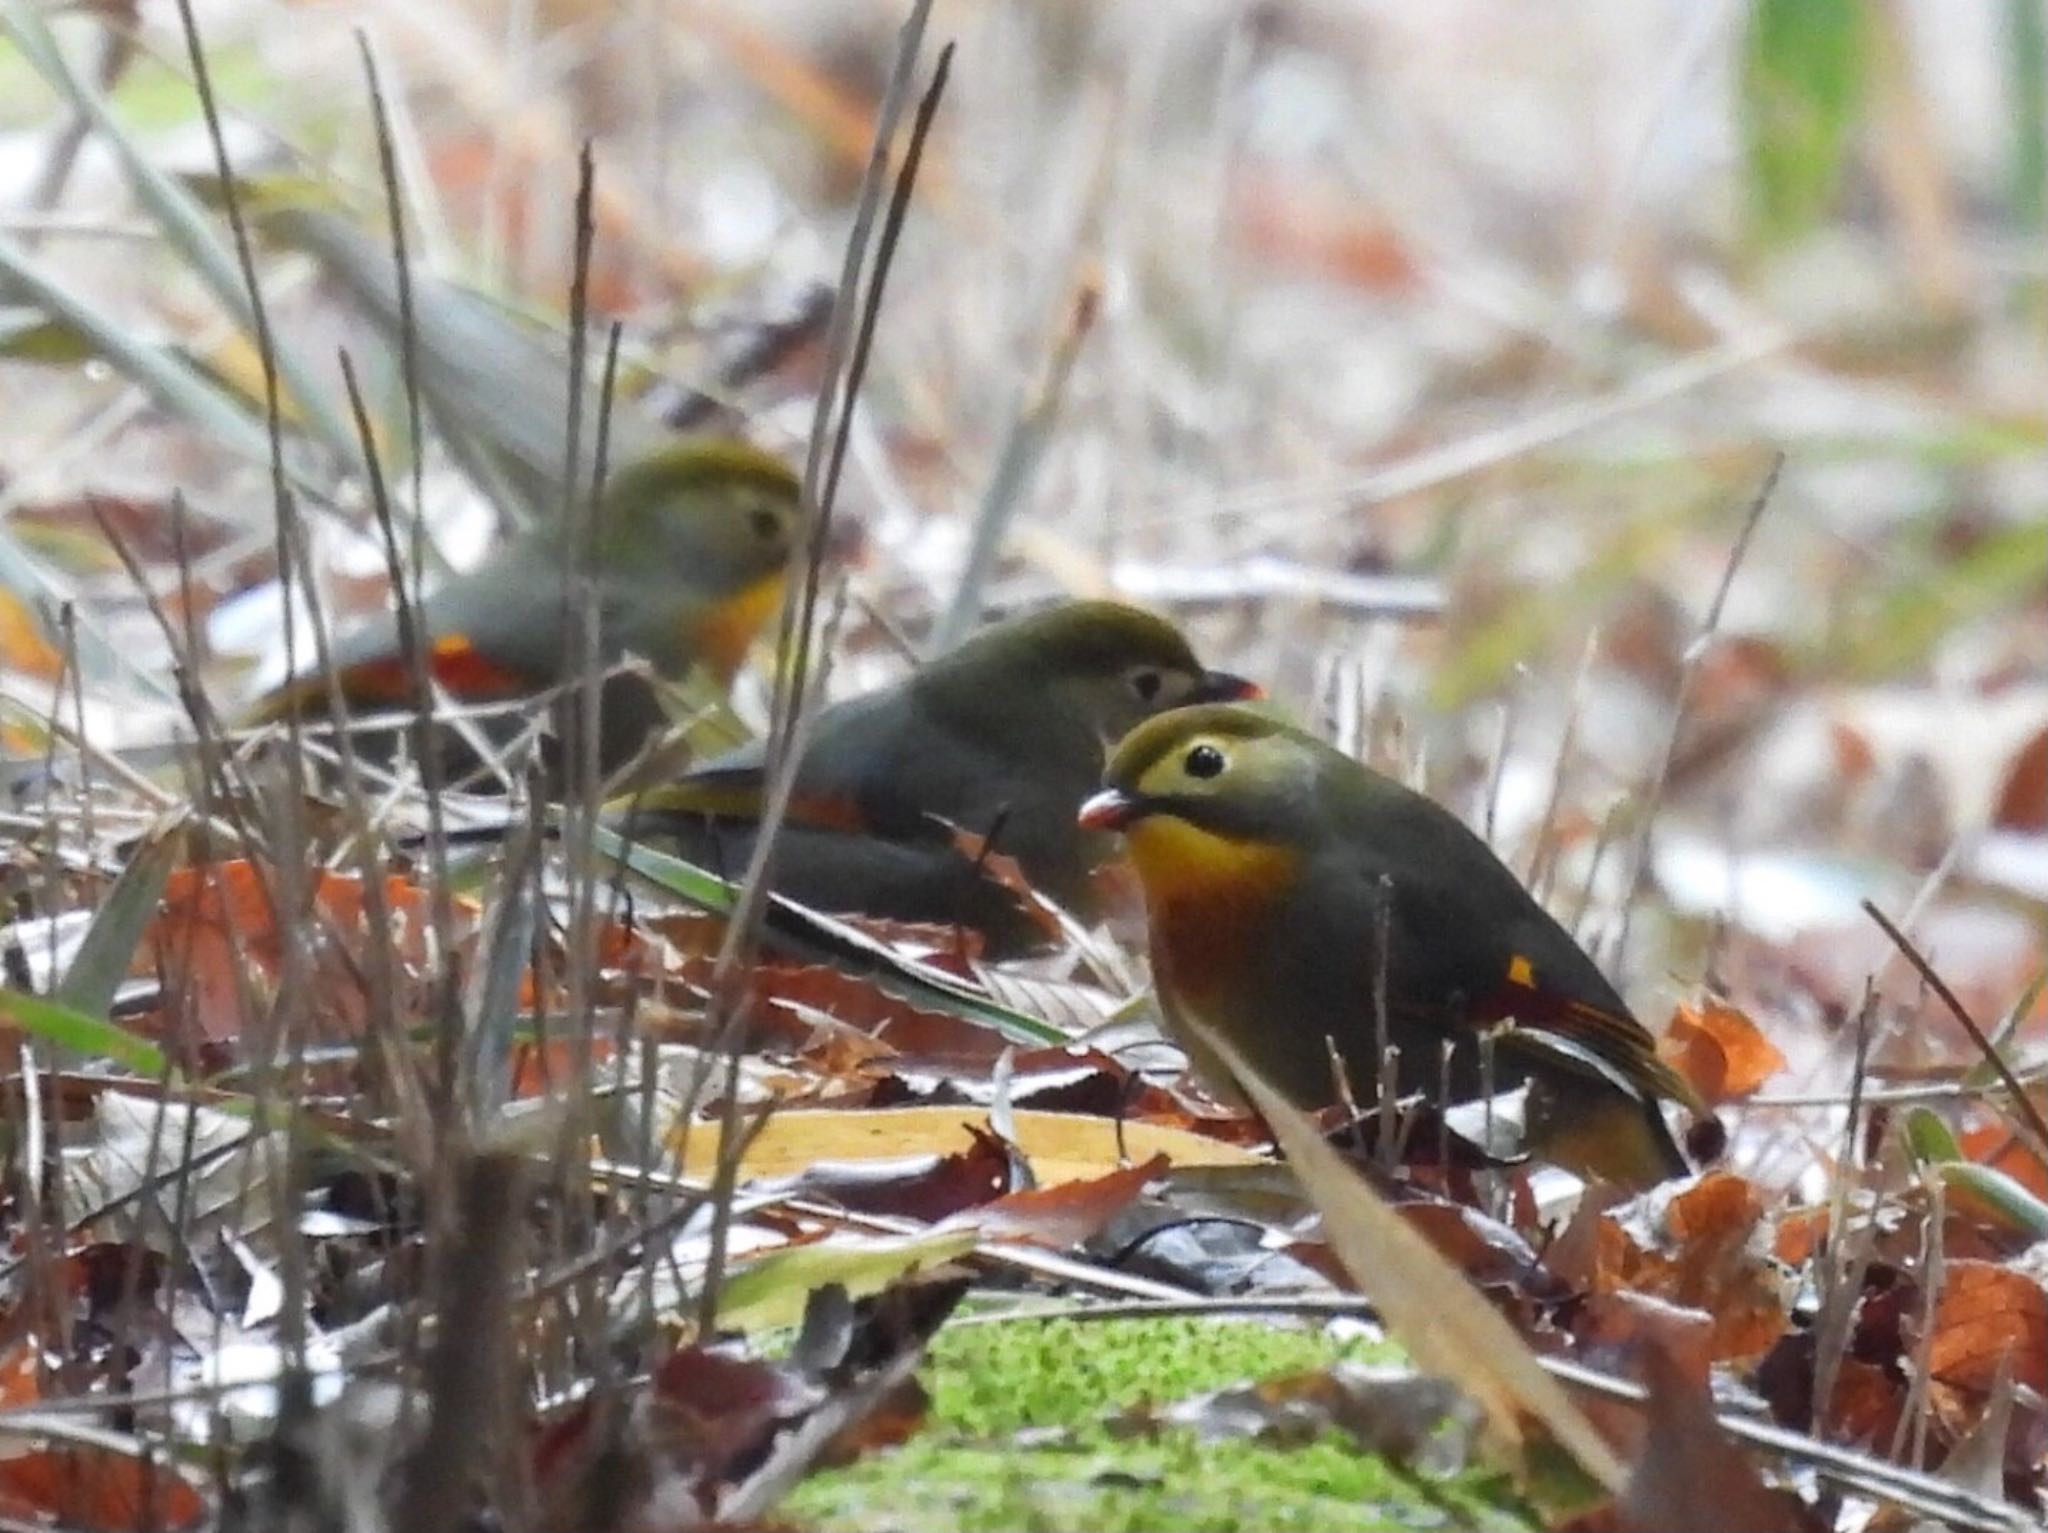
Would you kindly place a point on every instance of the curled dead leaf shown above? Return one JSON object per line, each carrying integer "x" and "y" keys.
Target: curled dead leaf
{"x": 926, "y": 1188}
{"x": 1067, "y": 1215}
{"x": 1704, "y": 1253}
{"x": 1720, "y": 1050}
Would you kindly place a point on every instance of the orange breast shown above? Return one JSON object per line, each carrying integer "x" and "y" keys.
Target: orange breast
{"x": 721, "y": 633}
{"x": 1210, "y": 900}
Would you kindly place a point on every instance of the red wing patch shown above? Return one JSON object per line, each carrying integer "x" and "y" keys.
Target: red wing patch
{"x": 1619, "y": 1039}
{"x": 458, "y": 667}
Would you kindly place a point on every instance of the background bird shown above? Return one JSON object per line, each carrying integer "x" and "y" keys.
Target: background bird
{"x": 1287, "y": 887}
{"x": 988, "y": 748}
{"x": 690, "y": 549}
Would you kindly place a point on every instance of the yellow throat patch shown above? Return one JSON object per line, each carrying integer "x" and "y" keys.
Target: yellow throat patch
{"x": 722, "y": 633}
{"x": 1209, "y": 897}
{"x": 1181, "y": 862}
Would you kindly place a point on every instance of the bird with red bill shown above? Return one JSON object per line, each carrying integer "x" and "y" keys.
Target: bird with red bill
{"x": 905, "y": 797}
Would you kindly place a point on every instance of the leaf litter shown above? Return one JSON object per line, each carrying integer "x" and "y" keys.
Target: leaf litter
{"x": 241, "y": 1143}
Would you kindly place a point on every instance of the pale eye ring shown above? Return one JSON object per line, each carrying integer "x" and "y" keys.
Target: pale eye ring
{"x": 1147, "y": 684}
{"x": 766, "y": 524}
{"x": 1204, "y": 761}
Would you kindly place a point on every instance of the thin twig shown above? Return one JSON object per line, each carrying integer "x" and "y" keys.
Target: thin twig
{"x": 1688, "y": 678}
{"x": 413, "y": 640}
{"x": 1841, "y": 1268}
{"x": 2022, "y": 1103}
{"x": 1030, "y": 434}
{"x": 830, "y": 430}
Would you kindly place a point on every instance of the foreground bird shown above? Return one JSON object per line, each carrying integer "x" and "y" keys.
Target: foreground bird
{"x": 690, "y": 552}
{"x": 901, "y": 794}
{"x": 1288, "y": 888}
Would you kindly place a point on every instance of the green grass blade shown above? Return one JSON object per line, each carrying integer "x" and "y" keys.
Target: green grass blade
{"x": 169, "y": 381}
{"x": 1803, "y": 73}
{"x": 68, "y": 1029}
{"x": 186, "y": 226}
{"x": 108, "y": 952}
{"x": 820, "y": 939}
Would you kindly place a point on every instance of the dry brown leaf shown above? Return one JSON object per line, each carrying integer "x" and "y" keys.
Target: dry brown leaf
{"x": 1068, "y": 1214}
{"x": 1064, "y": 1003}
{"x": 1702, "y": 1255}
{"x": 2023, "y": 799}
{"x": 95, "y": 1490}
{"x": 1690, "y": 1475}
{"x": 217, "y": 935}
{"x": 1799, "y": 1234}
{"x": 1720, "y": 1050}
{"x": 1987, "y": 1313}
{"x": 927, "y": 1188}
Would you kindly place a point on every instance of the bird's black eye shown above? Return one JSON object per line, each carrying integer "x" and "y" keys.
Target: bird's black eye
{"x": 1146, "y": 684}
{"x": 766, "y": 524}
{"x": 1204, "y": 761}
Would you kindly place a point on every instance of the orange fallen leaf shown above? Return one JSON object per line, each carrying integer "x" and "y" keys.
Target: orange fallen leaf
{"x": 1799, "y": 1234}
{"x": 1987, "y": 1314}
{"x": 216, "y": 938}
{"x": 23, "y": 646}
{"x": 1720, "y": 1050}
{"x": 1704, "y": 1257}
{"x": 96, "y": 1491}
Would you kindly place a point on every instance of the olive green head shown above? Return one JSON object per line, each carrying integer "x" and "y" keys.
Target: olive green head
{"x": 716, "y": 515}
{"x": 1100, "y": 662}
{"x": 1232, "y": 771}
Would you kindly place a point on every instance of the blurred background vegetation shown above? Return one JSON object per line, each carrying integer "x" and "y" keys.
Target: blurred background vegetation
{"x": 1425, "y": 359}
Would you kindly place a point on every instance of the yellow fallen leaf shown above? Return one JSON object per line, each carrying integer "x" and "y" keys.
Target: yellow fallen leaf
{"x": 773, "y": 1289}
{"x": 1061, "y": 1146}
{"x": 22, "y": 645}
{"x": 237, "y": 362}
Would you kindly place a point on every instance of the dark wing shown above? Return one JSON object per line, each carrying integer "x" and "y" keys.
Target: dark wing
{"x": 1464, "y": 933}
{"x": 839, "y": 784}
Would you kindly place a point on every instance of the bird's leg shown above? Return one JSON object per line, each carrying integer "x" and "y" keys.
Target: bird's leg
{"x": 987, "y": 849}
{"x": 977, "y": 868}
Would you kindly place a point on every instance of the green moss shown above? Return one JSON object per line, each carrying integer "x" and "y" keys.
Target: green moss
{"x": 991, "y": 1380}
{"x": 968, "y": 1470}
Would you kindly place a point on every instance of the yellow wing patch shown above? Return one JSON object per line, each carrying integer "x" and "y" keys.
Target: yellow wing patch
{"x": 1521, "y": 972}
